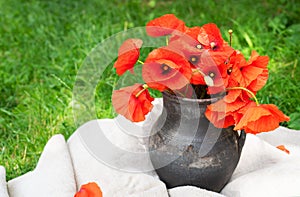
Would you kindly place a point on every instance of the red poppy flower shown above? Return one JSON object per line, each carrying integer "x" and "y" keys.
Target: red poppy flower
{"x": 188, "y": 44}
{"x": 236, "y": 61}
{"x": 243, "y": 74}
{"x": 210, "y": 37}
{"x": 222, "y": 114}
{"x": 256, "y": 72}
{"x": 133, "y": 102}
{"x": 217, "y": 73}
{"x": 89, "y": 190}
{"x": 164, "y": 25}
{"x": 252, "y": 74}
{"x": 203, "y": 64}
{"x": 165, "y": 69}
{"x": 219, "y": 76}
{"x": 262, "y": 118}
{"x": 128, "y": 55}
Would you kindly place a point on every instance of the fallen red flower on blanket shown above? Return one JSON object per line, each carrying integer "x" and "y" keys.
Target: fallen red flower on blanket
{"x": 282, "y": 147}
{"x": 89, "y": 190}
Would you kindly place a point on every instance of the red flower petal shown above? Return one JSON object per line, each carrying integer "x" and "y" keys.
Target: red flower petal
{"x": 276, "y": 112}
{"x": 161, "y": 79}
{"x": 164, "y": 68}
{"x": 164, "y": 25}
{"x": 128, "y": 55}
{"x": 220, "y": 119}
{"x": 166, "y": 53}
{"x": 258, "y": 61}
{"x": 222, "y": 114}
{"x": 187, "y": 47}
{"x": 189, "y": 36}
{"x": 131, "y": 107}
{"x": 240, "y": 113}
{"x": 236, "y": 61}
{"x": 197, "y": 78}
{"x": 252, "y": 75}
{"x": 282, "y": 147}
{"x": 243, "y": 74}
{"x": 262, "y": 118}
{"x": 88, "y": 190}
{"x": 218, "y": 73}
{"x": 259, "y": 82}
{"x": 210, "y": 36}
{"x": 256, "y": 71}
{"x": 222, "y": 55}
{"x": 232, "y": 95}
{"x": 193, "y": 32}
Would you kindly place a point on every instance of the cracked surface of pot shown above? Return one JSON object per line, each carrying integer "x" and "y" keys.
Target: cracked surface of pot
{"x": 185, "y": 149}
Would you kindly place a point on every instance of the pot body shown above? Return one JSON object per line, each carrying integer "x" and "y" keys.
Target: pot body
{"x": 186, "y": 149}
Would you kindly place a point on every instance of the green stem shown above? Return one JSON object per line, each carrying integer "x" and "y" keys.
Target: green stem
{"x": 145, "y": 87}
{"x": 199, "y": 71}
{"x": 167, "y": 40}
{"x": 230, "y": 36}
{"x": 245, "y": 89}
{"x": 141, "y": 62}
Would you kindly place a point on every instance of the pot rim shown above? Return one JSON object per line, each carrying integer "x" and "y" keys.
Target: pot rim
{"x": 200, "y": 101}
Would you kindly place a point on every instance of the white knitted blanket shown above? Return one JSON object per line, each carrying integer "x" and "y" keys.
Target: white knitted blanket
{"x": 120, "y": 166}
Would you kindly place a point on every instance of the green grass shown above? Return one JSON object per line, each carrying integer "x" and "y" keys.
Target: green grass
{"x": 44, "y": 43}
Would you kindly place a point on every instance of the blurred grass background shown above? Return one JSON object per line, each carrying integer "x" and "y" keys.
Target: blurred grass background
{"x": 43, "y": 44}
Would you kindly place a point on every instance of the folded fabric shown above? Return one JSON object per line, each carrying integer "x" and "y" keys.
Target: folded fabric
{"x": 264, "y": 170}
{"x": 191, "y": 191}
{"x": 113, "y": 181}
{"x": 259, "y": 159}
{"x": 3, "y": 185}
{"x": 113, "y": 153}
{"x": 283, "y": 136}
{"x": 53, "y": 175}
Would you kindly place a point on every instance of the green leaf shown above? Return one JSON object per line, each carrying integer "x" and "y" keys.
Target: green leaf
{"x": 294, "y": 123}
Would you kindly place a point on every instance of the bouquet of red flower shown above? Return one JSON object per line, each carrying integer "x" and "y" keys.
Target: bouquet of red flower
{"x": 197, "y": 60}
